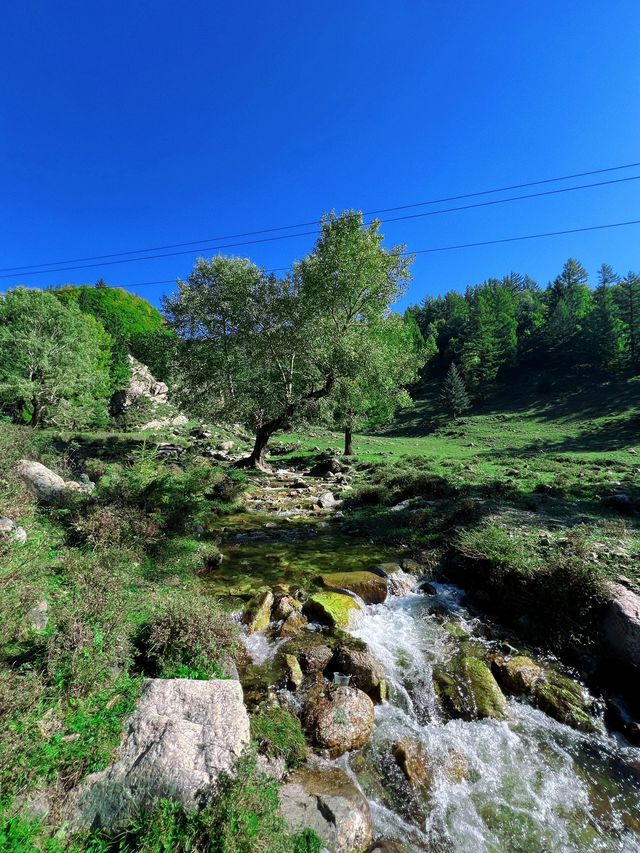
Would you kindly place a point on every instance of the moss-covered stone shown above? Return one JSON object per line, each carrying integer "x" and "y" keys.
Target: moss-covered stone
{"x": 564, "y": 700}
{"x": 517, "y": 674}
{"x": 467, "y": 690}
{"x": 371, "y": 588}
{"x": 334, "y": 608}
{"x": 294, "y": 672}
{"x": 258, "y": 611}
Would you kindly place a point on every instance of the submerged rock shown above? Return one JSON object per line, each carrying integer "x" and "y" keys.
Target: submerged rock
{"x": 333, "y": 608}
{"x": 467, "y": 690}
{"x": 412, "y": 759}
{"x": 339, "y": 719}
{"x": 370, "y": 587}
{"x": 327, "y": 801}
{"x": 181, "y": 736}
{"x": 258, "y": 613}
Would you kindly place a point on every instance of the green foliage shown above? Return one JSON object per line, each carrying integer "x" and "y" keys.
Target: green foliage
{"x": 279, "y": 734}
{"x": 54, "y": 361}
{"x": 135, "y": 327}
{"x": 454, "y": 393}
{"x": 191, "y": 639}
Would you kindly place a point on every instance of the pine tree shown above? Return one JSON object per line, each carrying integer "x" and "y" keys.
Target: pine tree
{"x": 604, "y": 328}
{"x": 454, "y": 393}
{"x": 627, "y": 294}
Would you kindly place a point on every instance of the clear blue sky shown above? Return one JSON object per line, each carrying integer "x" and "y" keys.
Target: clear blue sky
{"x": 126, "y": 125}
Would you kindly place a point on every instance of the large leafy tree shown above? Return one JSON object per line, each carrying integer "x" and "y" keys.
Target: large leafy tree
{"x": 261, "y": 350}
{"x": 54, "y": 361}
{"x": 383, "y": 359}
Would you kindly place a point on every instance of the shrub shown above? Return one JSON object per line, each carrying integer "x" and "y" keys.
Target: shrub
{"x": 279, "y": 734}
{"x": 189, "y": 640}
{"x": 106, "y": 524}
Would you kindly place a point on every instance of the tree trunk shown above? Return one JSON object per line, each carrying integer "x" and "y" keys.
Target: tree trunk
{"x": 37, "y": 412}
{"x": 348, "y": 441}
{"x": 258, "y": 457}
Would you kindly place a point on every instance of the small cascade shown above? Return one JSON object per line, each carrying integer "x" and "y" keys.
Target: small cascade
{"x": 529, "y": 783}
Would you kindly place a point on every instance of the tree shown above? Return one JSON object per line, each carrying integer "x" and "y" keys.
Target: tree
{"x": 262, "y": 350}
{"x": 627, "y": 295}
{"x": 570, "y": 302}
{"x": 454, "y": 393}
{"x": 604, "y": 328}
{"x": 384, "y": 360}
{"x": 54, "y": 361}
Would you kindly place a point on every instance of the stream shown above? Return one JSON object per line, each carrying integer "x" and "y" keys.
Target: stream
{"x": 527, "y": 784}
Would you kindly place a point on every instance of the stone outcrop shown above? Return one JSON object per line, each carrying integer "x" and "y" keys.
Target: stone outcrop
{"x": 338, "y": 719}
{"x": 327, "y": 801}
{"x": 370, "y": 587}
{"x": 622, "y": 624}
{"x": 48, "y": 486}
{"x": 181, "y": 736}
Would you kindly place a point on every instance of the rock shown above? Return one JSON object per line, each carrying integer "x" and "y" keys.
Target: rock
{"x": 622, "y": 624}
{"x": 401, "y": 583}
{"x": 333, "y": 608}
{"x": 10, "y": 530}
{"x": 467, "y": 690}
{"x": 564, "y": 700}
{"x": 412, "y": 567}
{"x": 272, "y": 766}
{"x": 258, "y": 612}
{"x": 327, "y": 801}
{"x": 621, "y": 502}
{"x": 293, "y": 671}
{"x": 388, "y": 569}
{"x": 327, "y": 501}
{"x": 370, "y": 587}
{"x": 226, "y": 446}
{"x": 38, "y": 616}
{"x": 365, "y": 671}
{"x": 324, "y": 467}
{"x": 285, "y": 605}
{"x": 414, "y": 763}
{"x": 388, "y": 845}
{"x": 339, "y": 719}
{"x": 292, "y": 625}
{"x": 163, "y": 423}
{"x": 181, "y": 736}
{"x": 42, "y": 481}
{"x": 516, "y": 675}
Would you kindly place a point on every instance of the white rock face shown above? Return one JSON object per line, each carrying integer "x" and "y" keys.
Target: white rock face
{"x": 144, "y": 384}
{"x": 327, "y": 801}
{"x": 622, "y": 624}
{"x": 42, "y": 481}
{"x": 181, "y": 736}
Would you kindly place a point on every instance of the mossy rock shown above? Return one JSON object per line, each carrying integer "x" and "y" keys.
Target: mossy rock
{"x": 294, "y": 672}
{"x": 333, "y": 608}
{"x": 257, "y": 614}
{"x": 516, "y": 675}
{"x": 467, "y": 690}
{"x": 370, "y": 587}
{"x": 564, "y": 700}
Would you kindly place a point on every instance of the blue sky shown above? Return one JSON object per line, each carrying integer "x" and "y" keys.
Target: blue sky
{"x": 127, "y": 125}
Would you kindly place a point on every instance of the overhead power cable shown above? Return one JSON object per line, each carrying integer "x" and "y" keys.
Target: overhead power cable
{"x": 315, "y": 222}
{"x": 454, "y": 246}
{"x": 315, "y": 231}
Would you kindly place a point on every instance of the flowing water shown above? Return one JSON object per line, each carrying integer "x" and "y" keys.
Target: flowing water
{"x": 529, "y": 784}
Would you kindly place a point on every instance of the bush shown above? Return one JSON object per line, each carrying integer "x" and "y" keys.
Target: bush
{"x": 503, "y": 550}
{"x": 279, "y": 734}
{"x": 108, "y": 525}
{"x": 189, "y": 640}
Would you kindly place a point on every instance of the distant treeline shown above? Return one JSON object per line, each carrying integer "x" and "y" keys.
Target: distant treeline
{"x": 511, "y": 322}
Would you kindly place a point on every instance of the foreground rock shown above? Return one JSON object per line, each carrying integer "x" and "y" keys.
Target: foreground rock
{"x": 371, "y": 588}
{"x": 181, "y": 736}
{"x": 333, "y": 608}
{"x": 258, "y": 613}
{"x": 46, "y": 485}
{"x": 327, "y": 801}
{"x": 467, "y": 690}
{"x": 365, "y": 671}
{"x": 622, "y": 624}
{"x": 339, "y": 719}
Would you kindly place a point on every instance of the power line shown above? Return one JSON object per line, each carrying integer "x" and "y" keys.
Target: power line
{"x": 315, "y": 231}
{"x": 315, "y": 222}
{"x": 456, "y": 246}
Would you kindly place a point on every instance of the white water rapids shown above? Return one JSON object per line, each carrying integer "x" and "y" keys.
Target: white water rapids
{"x": 530, "y": 784}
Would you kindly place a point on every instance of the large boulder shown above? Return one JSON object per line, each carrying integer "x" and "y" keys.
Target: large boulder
{"x": 564, "y": 700}
{"x": 181, "y": 736}
{"x": 370, "y": 587}
{"x": 42, "y": 481}
{"x": 365, "y": 671}
{"x": 326, "y": 467}
{"x": 332, "y": 608}
{"x": 338, "y": 719}
{"x": 467, "y": 690}
{"x": 622, "y": 624}
{"x": 327, "y": 801}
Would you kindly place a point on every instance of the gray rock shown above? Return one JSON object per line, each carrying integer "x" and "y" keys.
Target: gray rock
{"x": 42, "y": 481}
{"x": 181, "y": 736}
{"x": 328, "y": 802}
{"x": 339, "y": 719}
{"x": 38, "y": 616}
{"x": 327, "y": 501}
{"x": 10, "y": 530}
{"x": 622, "y": 624}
